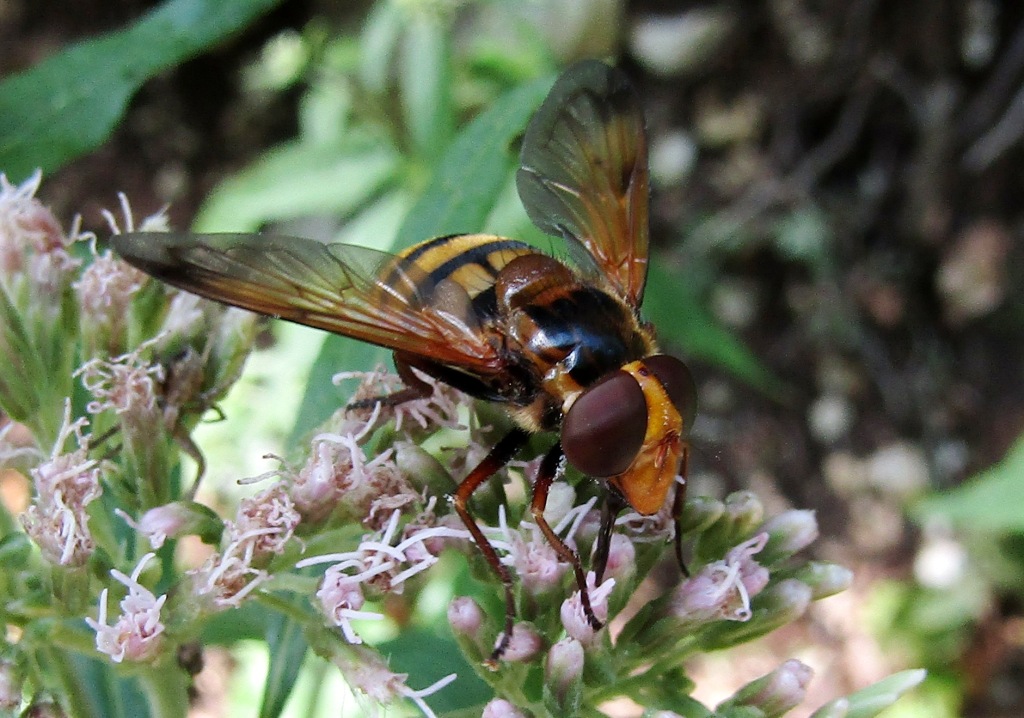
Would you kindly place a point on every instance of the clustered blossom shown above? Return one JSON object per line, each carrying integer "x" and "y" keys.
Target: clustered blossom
{"x": 338, "y": 474}
{"x": 160, "y": 523}
{"x": 621, "y": 558}
{"x": 654, "y": 528}
{"x": 348, "y": 477}
{"x": 525, "y": 549}
{"x": 501, "y": 708}
{"x": 105, "y": 290}
{"x": 438, "y": 410}
{"x": 340, "y": 478}
{"x": 267, "y": 519}
{"x": 65, "y": 484}
{"x": 723, "y": 589}
{"x": 126, "y": 385}
{"x": 776, "y": 693}
{"x": 184, "y": 316}
{"x": 564, "y": 667}
{"x": 523, "y": 645}
{"x": 31, "y": 240}
{"x": 136, "y": 635}
{"x": 156, "y": 222}
{"x": 536, "y": 563}
{"x": 378, "y": 561}
{"x": 262, "y": 527}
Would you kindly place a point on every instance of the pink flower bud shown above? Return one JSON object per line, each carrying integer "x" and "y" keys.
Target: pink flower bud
{"x": 621, "y": 558}
{"x": 789, "y": 532}
{"x": 774, "y": 694}
{"x": 524, "y": 644}
{"x": 501, "y": 708}
{"x": 563, "y": 670}
{"x": 465, "y": 616}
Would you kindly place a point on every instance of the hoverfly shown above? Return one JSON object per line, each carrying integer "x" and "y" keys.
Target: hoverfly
{"x": 562, "y": 347}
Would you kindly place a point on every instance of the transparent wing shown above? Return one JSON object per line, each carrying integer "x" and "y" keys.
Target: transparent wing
{"x": 583, "y": 173}
{"x": 336, "y": 287}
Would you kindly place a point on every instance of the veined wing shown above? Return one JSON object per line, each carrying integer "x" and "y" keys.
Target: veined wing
{"x": 584, "y": 177}
{"x": 336, "y": 287}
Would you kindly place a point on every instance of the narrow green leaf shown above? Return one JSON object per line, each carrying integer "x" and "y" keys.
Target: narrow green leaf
{"x": 297, "y": 180}
{"x": 869, "y": 702}
{"x": 989, "y": 502}
{"x": 287, "y": 647}
{"x": 381, "y": 35}
{"x": 19, "y": 380}
{"x": 426, "y": 84}
{"x": 682, "y": 320}
{"x": 69, "y": 103}
{"x": 473, "y": 170}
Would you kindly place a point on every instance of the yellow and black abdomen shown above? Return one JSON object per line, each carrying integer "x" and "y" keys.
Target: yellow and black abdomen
{"x": 438, "y": 271}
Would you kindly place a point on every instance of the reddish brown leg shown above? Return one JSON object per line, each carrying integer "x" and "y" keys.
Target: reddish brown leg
{"x": 545, "y": 477}
{"x": 500, "y": 455}
{"x": 677, "y": 511}
{"x": 610, "y": 508}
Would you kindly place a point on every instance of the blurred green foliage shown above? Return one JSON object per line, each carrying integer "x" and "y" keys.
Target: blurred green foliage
{"x": 70, "y": 103}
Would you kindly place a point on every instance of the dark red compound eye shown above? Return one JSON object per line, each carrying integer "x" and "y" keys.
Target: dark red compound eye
{"x": 604, "y": 429}
{"x": 678, "y": 383}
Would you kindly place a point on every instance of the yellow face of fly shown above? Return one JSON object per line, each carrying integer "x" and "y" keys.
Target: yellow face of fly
{"x": 645, "y": 484}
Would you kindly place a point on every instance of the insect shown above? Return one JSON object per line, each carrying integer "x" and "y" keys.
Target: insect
{"x": 561, "y": 345}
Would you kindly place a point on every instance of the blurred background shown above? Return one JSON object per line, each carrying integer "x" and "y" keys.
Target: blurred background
{"x": 836, "y": 216}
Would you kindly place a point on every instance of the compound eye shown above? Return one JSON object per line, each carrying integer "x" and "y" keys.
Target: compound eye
{"x": 678, "y": 383}
{"x": 604, "y": 429}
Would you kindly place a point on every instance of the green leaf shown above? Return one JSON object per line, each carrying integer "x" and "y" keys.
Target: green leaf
{"x": 426, "y": 84}
{"x": 474, "y": 168}
{"x": 19, "y": 380}
{"x": 287, "y": 647}
{"x": 381, "y": 35}
{"x": 297, "y": 180}
{"x": 869, "y": 702}
{"x": 430, "y": 657}
{"x": 70, "y": 103}
{"x": 989, "y": 502}
{"x": 682, "y": 320}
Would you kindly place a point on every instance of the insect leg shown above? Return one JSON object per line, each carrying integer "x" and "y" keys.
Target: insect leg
{"x": 610, "y": 508}
{"x": 677, "y": 511}
{"x": 545, "y": 477}
{"x": 500, "y": 455}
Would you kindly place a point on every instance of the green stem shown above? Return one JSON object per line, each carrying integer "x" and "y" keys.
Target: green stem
{"x": 166, "y": 690}
{"x": 283, "y": 606}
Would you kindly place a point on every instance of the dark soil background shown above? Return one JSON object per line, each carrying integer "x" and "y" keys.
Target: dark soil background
{"x": 901, "y": 341}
